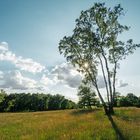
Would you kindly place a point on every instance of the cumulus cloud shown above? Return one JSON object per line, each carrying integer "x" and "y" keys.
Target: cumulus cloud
{"x": 45, "y": 80}
{"x": 61, "y": 75}
{"x": 29, "y": 65}
{"x": 15, "y": 80}
{"x": 26, "y": 64}
{"x": 66, "y": 74}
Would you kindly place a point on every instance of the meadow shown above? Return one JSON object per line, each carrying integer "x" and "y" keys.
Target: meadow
{"x": 71, "y": 125}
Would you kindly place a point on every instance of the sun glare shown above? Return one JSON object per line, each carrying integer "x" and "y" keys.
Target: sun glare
{"x": 86, "y": 65}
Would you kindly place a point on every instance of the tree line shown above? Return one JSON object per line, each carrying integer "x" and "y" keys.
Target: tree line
{"x": 88, "y": 99}
{"x": 126, "y": 101}
{"x": 17, "y": 102}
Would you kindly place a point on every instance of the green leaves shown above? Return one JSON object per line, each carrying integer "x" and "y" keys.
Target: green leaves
{"x": 95, "y": 35}
{"x": 87, "y": 96}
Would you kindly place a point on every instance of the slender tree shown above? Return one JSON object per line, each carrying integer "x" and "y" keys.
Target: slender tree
{"x": 94, "y": 44}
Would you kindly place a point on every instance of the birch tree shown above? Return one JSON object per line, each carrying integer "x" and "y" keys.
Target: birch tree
{"x": 95, "y": 44}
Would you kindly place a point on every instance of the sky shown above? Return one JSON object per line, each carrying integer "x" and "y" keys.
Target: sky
{"x": 30, "y": 31}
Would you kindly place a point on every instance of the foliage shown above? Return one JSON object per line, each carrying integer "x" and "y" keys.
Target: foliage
{"x": 2, "y": 95}
{"x": 33, "y": 102}
{"x": 94, "y": 43}
{"x": 87, "y": 96}
{"x": 129, "y": 100}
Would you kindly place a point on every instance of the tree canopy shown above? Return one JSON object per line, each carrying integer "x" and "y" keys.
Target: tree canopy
{"x": 16, "y": 102}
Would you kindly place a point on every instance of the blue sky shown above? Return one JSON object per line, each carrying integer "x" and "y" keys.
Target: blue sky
{"x": 32, "y": 29}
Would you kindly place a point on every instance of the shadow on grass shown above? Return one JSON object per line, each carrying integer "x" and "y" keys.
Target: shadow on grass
{"x": 119, "y": 134}
{"x": 115, "y": 127}
{"x": 123, "y": 117}
{"x": 83, "y": 111}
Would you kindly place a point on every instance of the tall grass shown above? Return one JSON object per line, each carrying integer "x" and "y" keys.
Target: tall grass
{"x": 69, "y": 125}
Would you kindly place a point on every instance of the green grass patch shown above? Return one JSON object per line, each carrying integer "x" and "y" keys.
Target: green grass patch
{"x": 70, "y": 125}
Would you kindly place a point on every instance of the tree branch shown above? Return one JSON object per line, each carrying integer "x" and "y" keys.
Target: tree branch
{"x": 103, "y": 72}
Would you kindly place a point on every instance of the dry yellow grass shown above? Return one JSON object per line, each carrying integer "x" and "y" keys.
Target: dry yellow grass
{"x": 69, "y": 125}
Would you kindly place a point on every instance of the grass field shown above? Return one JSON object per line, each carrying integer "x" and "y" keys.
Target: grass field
{"x": 70, "y": 125}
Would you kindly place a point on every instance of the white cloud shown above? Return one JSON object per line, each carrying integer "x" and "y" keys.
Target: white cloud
{"x": 26, "y": 64}
{"x": 15, "y": 80}
{"x": 3, "y": 46}
{"x": 8, "y": 56}
{"x": 46, "y": 81}
{"x": 29, "y": 65}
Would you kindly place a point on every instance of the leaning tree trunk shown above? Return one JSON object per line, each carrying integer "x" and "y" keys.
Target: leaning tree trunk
{"x": 110, "y": 109}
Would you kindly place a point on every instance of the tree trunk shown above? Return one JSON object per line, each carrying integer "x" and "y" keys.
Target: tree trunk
{"x": 106, "y": 110}
{"x": 89, "y": 105}
{"x": 114, "y": 81}
{"x": 103, "y": 72}
{"x": 110, "y": 109}
{"x": 108, "y": 74}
